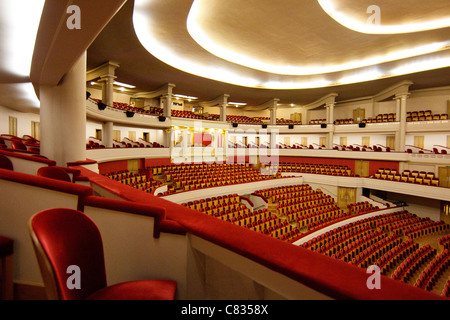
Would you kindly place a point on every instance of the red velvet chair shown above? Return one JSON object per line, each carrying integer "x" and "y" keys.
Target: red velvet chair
{"x": 5, "y": 163}
{"x": 18, "y": 145}
{"x": 6, "y": 259}
{"x": 65, "y": 237}
{"x": 54, "y": 173}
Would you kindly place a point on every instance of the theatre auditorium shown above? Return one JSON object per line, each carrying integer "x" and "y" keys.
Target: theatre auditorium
{"x": 224, "y": 150}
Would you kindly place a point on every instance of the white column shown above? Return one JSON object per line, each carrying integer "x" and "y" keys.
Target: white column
{"x": 108, "y": 89}
{"x": 63, "y": 117}
{"x": 107, "y": 134}
{"x": 273, "y": 115}
{"x": 330, "y": 121}
{"x": 397, "y": 110}
{"x": 402, "y": 130}
{"x": 223, "y": 112}
{"x": 168, "y": 106}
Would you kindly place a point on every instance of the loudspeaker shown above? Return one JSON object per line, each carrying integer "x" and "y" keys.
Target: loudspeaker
{"x": 101, "y": 106}
{"x": 235, "y": 125}
{"x": 362, "y": 125}
{"x": 291, "y": 126}
{"x": 162, "y": 118}
{"x": 323, "y": 125}
{"x": 130, "y": 114}
{"x": 264, "y": 126}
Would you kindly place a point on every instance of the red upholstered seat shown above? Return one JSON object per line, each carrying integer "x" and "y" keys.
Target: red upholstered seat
{"x": 6, "y": 246}
{"x": 18, "y": 145}
{"x": 66, "y": 237}
{"x": 6, "y": 259}
{"x": 5, "y": 163}
{"x": 54, "y": 173}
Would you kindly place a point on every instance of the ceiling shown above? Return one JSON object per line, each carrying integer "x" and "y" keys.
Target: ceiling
{"x": 249, "y": 49}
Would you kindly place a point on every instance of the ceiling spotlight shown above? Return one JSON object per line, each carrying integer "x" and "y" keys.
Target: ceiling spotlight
{"x": 101, "y": 106}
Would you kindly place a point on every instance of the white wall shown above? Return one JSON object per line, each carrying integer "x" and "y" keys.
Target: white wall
{"x": 23, "y": 121}
{"x": 431, "y": 99}
{"x": 156, "y": 135}
{"x": 357, "y": 139}
{"x": 430, "y": 139}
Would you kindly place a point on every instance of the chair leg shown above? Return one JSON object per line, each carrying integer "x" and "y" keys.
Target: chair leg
{"x": 7, "y": 289}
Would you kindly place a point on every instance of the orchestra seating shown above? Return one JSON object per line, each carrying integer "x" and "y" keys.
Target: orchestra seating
{"x": 186, "y": 177}
{"x": 307, "y": 209}
{"x": 390, "y": 242}
{"x": 230, "y": 208}
{"x": 135, "y": 180}
{"x": 417, "y": 177}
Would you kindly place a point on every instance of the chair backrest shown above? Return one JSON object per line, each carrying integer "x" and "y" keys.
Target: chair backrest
{"x": 5, "y": 163}
{"x": 54, "y": 173}
{"x": 66, "y": 237}
{"x": 18, "y": 145}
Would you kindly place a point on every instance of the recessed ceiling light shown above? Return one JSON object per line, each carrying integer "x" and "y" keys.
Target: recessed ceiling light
{"x": 124, "y": 85}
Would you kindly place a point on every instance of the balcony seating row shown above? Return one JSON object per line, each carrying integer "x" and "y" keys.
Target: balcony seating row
{"x": 425, "y": 115}
{"x": 26, "y": 144}
{"x": 317, "y": 121}
{"x": 417, "y": 177}
{"x": 335, "y": 170}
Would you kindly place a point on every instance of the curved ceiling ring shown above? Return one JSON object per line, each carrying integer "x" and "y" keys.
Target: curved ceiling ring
{"x": 362, "y": 23}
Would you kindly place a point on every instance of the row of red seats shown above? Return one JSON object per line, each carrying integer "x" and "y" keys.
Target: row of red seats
{"x": 335, "y": 170}
{"x": 417, "y": 177}
{"x": 444, "y": 241}
{"x": 446, "y": 290}
{"x": 228, "y": 209}
{"x": 317, "y": 219}
{"x": 360, "y": 207}
{"x": 135, "y": 180}
{"x": 27, "y": 143}
{"x": 413, "y": 262}
{"x": 360, "y": 244}
{"x": 426, "y": 228}
{"x": 341, "y": 234}
{"x": 376, "y": 251}
{"x": 313, "y": 198}
{"x": 275, "y": 193}
{"x": 434, "y": 270}
{"x": 195, "y": 176}
{"x": 397, "y": 254}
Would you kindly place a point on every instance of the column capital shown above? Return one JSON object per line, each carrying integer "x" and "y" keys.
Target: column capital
{"x": 107, "y": 78}
{"x": 401, "y": 95}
